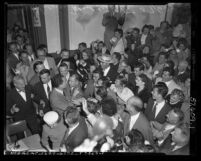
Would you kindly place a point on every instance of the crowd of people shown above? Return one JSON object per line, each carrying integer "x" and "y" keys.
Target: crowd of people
{"x": 133, "y": 97}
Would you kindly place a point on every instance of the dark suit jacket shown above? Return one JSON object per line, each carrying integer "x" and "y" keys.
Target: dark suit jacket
{"x": 77, "y": 136}
{"x": 141, "y": 124}
{"x": 166, "y": 148}
{"x": 26, "y": 109}
{"x": 90, "y": 89}
{"x": 39, "y": 94}
{"x": 147, "y": 40}
{"x": 12, "y": 61}
{"x": 161, "y": 115}
{"x": 112, "y": 73}
{"x": 182, "y": 77}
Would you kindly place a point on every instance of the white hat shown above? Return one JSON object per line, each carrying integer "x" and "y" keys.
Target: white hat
{"x": 105, "y": 58}
{"x": 51, "y": 117}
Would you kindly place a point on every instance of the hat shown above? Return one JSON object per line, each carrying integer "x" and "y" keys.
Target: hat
{"x": 105, "y": 58}
{"x": 51, "y": 117}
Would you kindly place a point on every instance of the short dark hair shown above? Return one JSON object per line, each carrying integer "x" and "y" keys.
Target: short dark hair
{"x": 22, "y": 52}
{"x": 40, "y": 49}
{"x": 102, "y": 92}
{"x": 183, "y": 41}
{"x": 65, "y": 50}
{"x": 18, "y": 36}
{"x": 63, "y": 65}
{"x": 37, "y": 63}
{"x": 73, "y": 114}
{"x": 140, "y": 66}
{"x": 92, "y": 107}
{"x": 122, "y": 79}
{"x": 162, "y": 89}
{"x": 98, "y": 71}
{"x": 109, "y": 107}
{"x": 83, "y": 44}
{"x": 136, "y": 29}
{"x": 170, "y": 63}
{"x": 57, "y": 80}
{"x": 151, "y": 27}
{"x": 136, "y": 137}
{"x": 106, "y": 81}
{"x": 42, "y": 46}
{"x": 170, "y": 70}
{"x": 145, "y": 26}
{"x": 144, "y": 79}
{"x": 117, "y": 55}
{"x": 44, "y": 71}
{"x": 120, "y": 31}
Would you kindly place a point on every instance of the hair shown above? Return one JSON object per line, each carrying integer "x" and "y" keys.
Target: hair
{"x": 64, "y": 50}
{"x": 42, "y": 46}
{"x": 140, "y": 66}
{"x": 136, "y": 29}
{"x": 117, "y": 55}
{"x": 179, "y": 93}
{"x": 37, "y": 63}
{"x": 183, "y": 41}
{"x": 120, "y": 31}
{"x": 73, "y": 114}
{"x": 102, "y": 92}
{"x": 22, "y": 52}
{"x": 164, "y": 22}
{"x": 98, "y": 71}
{"x": 145, "y": 26}
{"x": 109, "y": 107}
{"x": 170, "y": 64}
{"x": 92, "y": 107}
{"x": 170, "y": 70}
{"x": 162, "y": 89}
{"x": 144, "y": 79}
{"x": 164, "y": 54}
{"x": 57, "y": 80}
{"x": 151, "y": 27}
{"x": 18, "y": 35}
{"x": 77, "y": 77}
{"x": 83, "y": 44}
{"x": 44, "y": 71}
{"x": 122, "y": 79}
{"x": 106, "y": 81}
{"x": 63, "y": 65}
{"x": 180, "y": 114}
{"x": 40, "y": 49}
{"x": 136, "y": 138}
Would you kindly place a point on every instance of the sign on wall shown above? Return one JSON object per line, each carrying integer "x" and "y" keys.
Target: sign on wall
{"x": 36, "y": 17}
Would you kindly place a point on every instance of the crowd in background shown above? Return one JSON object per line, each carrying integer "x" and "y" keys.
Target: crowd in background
{"x": 133, "y": 96}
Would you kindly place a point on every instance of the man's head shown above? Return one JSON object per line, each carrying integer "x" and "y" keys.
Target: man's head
{"x": 181, "y": 134}
{"x": 19, "y": 39}
{"x": 175, "y": 116}
{"x": 82, "y": 46}
{"x": 65, "y": 54}
{"x": 182, "y": 44}
{"x": 109, "y": 107}
{"x": 59, "y": 82}
{"x": 19, "y": 82}
{"x": 159, "y": 91}
{"x": 97, "y": 74}
{"x": 41, "y": 54}
{"x": 139, "y": 69}
{"x": 136, "y": 32}
{"x": 29, "y": 48}
{"x": 63, "y": 69}
{"x": 168, "y": 74}
{"x": 145, "y": 29}
{"x": 38, "y": 66}
{"x": 182, "y": 66}
{"x": 116, "y": 57}
{"x": 71, "y": 116}
{"x": 118, "y": 33}
{"x": 85, "y": 56}
{"x": 151, "y": 30}
{"x": 13, "y": 47}
{"x": 45, "y": 76}
{"x": 74, "y": 80}
{"x": 105, "y": 61}
{"x": 44, "y": 47}
{"x": 162, "y": 58}
{"x": 164, "y": 25}
{"x": 176, "y": 96}
{"x": 120, "y": 82}
{"x": 23, "y": 55}
{"x": 134, "y": 105}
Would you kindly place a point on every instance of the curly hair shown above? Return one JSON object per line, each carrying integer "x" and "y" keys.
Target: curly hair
{"x": 179, "y": 93}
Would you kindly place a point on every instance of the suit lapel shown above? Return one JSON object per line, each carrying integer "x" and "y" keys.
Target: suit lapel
{"x": 161, "y": 112}
{"x": 19, "y": 97}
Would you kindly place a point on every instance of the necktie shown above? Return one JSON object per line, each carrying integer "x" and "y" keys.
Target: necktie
{"x": 48, "y": 90}
{"x": 154, "y": 109}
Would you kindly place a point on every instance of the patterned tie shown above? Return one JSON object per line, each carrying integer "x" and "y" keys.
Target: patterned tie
{"x": 48, "y": 90}
{"x": 154, "y": 109}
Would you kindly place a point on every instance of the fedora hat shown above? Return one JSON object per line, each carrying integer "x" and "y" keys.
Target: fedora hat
{"x": 51, "y": 117}
{"x": 105, "y": 58}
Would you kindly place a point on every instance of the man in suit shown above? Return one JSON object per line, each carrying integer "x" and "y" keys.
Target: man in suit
{"x": 167, "y": 78}
{"x": 145, "y": 37}
{"x": 178, "y": 143}
{"x": 65, "y": 54}
{"x": 29, "y": 49}
{"x": 58, "y": 100}
{"x": 135, "y": 119}
{"x": 77, "y": 130}
{"x": 108, "y": 70}
{"x": 116, "y": 59}
{"x": 42, "y": 91}
{"x": 19, "y": 104}
{"x": 48, "y": 62}
{"x": 157, "y": 108}
{"x": 13, "y": 57}
{"x": 38, "y": 66}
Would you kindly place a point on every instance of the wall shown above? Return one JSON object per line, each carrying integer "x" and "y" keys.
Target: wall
{"x": 52, "y": 28}
{"x": 85, "y": 21}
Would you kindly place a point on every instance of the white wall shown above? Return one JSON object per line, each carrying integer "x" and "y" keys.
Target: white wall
{"x": 86, "y": 25}
{"x": 52, "y": 28}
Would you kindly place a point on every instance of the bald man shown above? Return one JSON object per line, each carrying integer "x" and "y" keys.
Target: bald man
{"x": 182, "y": 71}
{"x": 133, "y": 118}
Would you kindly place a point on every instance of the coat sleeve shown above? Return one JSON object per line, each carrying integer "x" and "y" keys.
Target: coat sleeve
{"x": 44, "y": 139}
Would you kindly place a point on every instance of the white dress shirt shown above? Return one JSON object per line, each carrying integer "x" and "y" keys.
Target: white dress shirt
{"x": 16, "y": 55}
{"x": 23, "y": 94}
{"x": 106, "y": 71}
{"x": 45, "y": 87}
{"x": 72, "y": 128}
{"x": 119, "y": 47}
{"x": 46, "y": 64}
{"x": 159, "y": 107}
{"x": 59, "y": 91}
{"x": 133, "y": 120}
{"x": 143, "y": 38}
{"x": 31, "y": 57}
